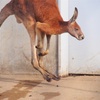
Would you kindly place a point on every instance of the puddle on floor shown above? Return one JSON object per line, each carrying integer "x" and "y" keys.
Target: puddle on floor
{"x": 50, "y": 95}
{"x": 20, "y": 90}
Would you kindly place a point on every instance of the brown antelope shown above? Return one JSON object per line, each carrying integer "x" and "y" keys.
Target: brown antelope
{"x": 41, "y": 17}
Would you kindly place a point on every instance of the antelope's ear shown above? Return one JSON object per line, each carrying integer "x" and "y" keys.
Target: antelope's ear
{"x": 74, "y": 17}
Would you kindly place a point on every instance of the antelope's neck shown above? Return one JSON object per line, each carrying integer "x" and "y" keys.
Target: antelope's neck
{"x": 63, "y": 26}
{"x": 60, "y": 27}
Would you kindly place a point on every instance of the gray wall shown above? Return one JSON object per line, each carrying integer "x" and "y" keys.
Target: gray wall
{"x": 15, "y": 52}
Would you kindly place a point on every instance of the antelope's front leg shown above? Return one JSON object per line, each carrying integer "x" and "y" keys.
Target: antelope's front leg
{"x": 40, "y": 43}
{"x": 48, "y": 46}
{"x": 40, "y": 58}
{"x": 44, "y": 27}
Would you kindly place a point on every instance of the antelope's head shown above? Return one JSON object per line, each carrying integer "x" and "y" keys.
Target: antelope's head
{"x": 73, "y": 28}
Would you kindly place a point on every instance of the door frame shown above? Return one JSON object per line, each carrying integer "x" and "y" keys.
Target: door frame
{"x": 62, "y": 40}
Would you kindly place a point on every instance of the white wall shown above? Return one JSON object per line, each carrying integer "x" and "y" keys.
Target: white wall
{"x": 84, "y": 56}
{"x": 81, "y": 57}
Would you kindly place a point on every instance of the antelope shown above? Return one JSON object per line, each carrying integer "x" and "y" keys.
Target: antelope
{"x": 40, "y": 18}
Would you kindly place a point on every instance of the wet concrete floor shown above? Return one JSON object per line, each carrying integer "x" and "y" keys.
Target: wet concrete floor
{"x": 33, "y": 87}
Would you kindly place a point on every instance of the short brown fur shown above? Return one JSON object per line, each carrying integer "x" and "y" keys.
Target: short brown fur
{"x": 41, "y": 17}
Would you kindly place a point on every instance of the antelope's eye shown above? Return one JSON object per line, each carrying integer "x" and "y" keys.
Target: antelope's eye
{"x": 76, "y": 29}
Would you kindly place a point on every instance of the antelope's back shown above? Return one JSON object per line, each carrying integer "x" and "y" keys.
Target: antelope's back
{"x": 43, "y": 10}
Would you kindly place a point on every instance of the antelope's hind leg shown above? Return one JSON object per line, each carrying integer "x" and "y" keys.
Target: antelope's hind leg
{"x": 29, "y": 24}
{"x": 5, "y": 12}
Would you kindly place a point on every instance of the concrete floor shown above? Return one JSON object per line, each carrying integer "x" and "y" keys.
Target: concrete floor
{"x": 33, "y": 87}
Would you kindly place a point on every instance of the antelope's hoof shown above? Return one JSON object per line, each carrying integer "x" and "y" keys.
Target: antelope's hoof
{"x": 49, "y": 77}
{"x": 57, "y": 78}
